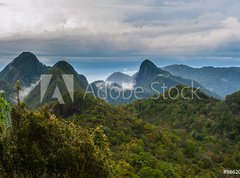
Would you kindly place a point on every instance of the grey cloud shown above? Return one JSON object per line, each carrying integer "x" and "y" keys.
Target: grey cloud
{"x": 3, "y": 4}
{"x": 71, "y": 45}
{"x": 128, "y": 27}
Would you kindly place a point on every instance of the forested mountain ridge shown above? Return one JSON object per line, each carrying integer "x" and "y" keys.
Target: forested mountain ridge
{"x": 150, "y": 74}
{"x": 150, "y": 78}
{"x": 221, "y": 80}
{"x": 56, "y": 73}
{"x": 164, "y": 137}
{"x": 26, "y": 68}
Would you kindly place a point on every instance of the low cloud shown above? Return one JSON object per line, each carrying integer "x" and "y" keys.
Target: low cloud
{"x": 129, "y": 72}
{"x": 3, "y": 4}
{"x": 25, "y": 91}
{"x": 127, "y": 86}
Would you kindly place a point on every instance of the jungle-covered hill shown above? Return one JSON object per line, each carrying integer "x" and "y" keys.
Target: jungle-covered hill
{"x": 148, "y": 138}
{"x": 165, "y": 137}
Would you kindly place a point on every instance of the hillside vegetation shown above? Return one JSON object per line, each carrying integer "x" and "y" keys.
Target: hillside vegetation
{"x": 165, "y": 137}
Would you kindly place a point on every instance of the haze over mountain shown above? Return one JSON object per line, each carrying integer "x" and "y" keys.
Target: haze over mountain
{"x": 119, "y": 78}
{"x": 220, "y": 80}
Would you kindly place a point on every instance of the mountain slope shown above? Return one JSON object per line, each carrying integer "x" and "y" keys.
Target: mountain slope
{"x": 147, "y": 72}
{"x": 57, "y": 83}
{"x": 26, "y": 68}
{"x": 165, "y": 137}
{"x": 154, "y": 79}
{"x": 148, "y": 81}
{"x": 119, "y": 78}
{"x": 220, "y": 80}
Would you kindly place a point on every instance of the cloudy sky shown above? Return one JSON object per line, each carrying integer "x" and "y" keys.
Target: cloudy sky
{"x": 179, "y": 29}
{"x": 120, "y": 27}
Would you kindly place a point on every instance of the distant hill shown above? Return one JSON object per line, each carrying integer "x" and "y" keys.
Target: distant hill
{"x": 119, "y": 78}
{"x": 215, "y": 82}
{"x": 62, "y": 67}
{"x": 26, "y": 68}
{"x": 148, "y": 71}
{"x": 220, "y": 80}
{"x": 153, "y": 79}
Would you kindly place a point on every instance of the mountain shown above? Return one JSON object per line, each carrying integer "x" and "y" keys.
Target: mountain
{"x": 57, "y": 83}
{"x": 119, "y": 78}
{"x": 220, "y": 80}
{"x": 147, "y": 72}
{"x": 26, "y": 68}
{"x": 150, "y": 80}
{"x": 63, "y": 67}
{"x": 154, "y": 80}
{"x": 112, "y": 92}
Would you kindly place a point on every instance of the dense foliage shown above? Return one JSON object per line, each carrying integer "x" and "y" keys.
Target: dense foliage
{"x": 149, "y": 138}
{"x": 40, "y": 145}
{"x": 4, "y": 111}
{"x": 165, "y": 137}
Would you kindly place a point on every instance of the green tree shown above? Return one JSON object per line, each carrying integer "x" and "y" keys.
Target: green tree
{"x": 44, "y": 146}
{"x": 4, "y": 111}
